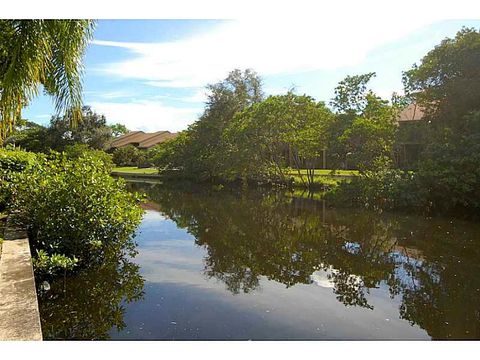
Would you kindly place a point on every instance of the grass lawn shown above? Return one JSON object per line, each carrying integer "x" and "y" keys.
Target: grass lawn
{"x": 326, "y": 172}
{"x": 318, "y": 180}
{"x": 322, "y": 177}
{"x": 134, "y": 170}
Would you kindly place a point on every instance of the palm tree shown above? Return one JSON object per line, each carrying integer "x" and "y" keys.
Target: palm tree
{"x": 41, "y": 52}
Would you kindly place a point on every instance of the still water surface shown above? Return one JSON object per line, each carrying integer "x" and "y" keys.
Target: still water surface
{"x": 266, "y": 265}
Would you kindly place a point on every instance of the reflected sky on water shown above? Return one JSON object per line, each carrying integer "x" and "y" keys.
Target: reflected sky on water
{"x": 237, "y": 264}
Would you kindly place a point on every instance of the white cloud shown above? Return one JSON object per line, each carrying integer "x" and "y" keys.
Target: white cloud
{"x": 276, "y": 46}
{"x": 147, "y": 115}
{"x": 118, "y": 94}
{"x": 198, "y": 96}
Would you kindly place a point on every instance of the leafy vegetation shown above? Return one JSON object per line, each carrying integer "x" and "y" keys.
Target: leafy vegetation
{"x": 11, "y": 162}
{"x": 74, "y": 211}
{"x": 92, "y": 131}
{"x": 199, "y": 151}
{"x": 41, "y": 52}
{"x": 265, "y": 138}
{"x": 126, "y": 156}
{"x": 447, "y": 177}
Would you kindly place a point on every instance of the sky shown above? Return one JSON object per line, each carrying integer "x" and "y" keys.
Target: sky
{"x": 151, "y": 75}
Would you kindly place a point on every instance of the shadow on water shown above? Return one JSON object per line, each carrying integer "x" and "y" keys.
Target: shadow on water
{"x": 430, "y": 264}
{"x": 88, "y": 305}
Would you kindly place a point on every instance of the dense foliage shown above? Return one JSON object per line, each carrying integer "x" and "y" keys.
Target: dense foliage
{"x": 447, "y": 177}
{"x": 74, "y": 211}
{"x": 199, "y": 151}
{"x": 281, "y": 131}
{"x": 126, "y": 156}
{"x": 92, "y": 130}
{"x": 11, "y": 162}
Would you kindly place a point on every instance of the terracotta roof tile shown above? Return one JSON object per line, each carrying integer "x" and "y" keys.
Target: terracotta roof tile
{"x": 141, "y": 139}
{"x": 412, "y": 112}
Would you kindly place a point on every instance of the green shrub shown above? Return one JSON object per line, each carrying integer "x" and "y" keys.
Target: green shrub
{"x": 75, "y": 209}
{"x": 11, "y": 162}
{"x": 449, "y": 172}
{"x": 50, "y": 265}
{"x": 383, "y": 188}
{"x": 14, "y": 160}
{"x": 77, "y": 151}
{"x": 126, "y": 156}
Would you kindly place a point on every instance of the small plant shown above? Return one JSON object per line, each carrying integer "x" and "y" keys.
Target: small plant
{"x": 53, "y": 264}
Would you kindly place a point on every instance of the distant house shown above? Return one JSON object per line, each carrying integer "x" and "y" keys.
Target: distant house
{"x": 142, "y": 140}
{"x": 411, "y": 133}
{"x": 412, "y": 112}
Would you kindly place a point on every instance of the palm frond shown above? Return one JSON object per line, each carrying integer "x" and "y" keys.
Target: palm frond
{"x": 41, "y": 52}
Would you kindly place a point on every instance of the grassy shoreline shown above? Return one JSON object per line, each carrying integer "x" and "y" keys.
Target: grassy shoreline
{"x": 322, "y": 177}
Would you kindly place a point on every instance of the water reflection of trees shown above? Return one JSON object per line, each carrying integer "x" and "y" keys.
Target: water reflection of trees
{"x": 430, "y": 264}
{"x": 88, "y": 305}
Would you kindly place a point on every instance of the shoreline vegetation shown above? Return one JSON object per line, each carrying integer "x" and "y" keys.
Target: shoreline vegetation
{"x": 322, "y": 177}
{"x": 56, "y": 181}
{"x": 353, "y": 151}
{"x": 428, "y": 163}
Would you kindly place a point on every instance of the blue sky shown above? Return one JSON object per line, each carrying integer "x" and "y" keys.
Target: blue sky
{"x": 150, "y": 74}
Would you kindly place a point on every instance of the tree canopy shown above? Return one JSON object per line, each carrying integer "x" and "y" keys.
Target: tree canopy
{"x": 41, "y": 52}
{"x": 447, "y": 81}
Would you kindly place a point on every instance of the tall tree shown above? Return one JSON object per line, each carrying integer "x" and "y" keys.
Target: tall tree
{"x": 351, "y": 94}
{"x": 364, "y": 128}
{"x": 41, "y": 52}
{"x": 370, "y": 137}
{"x": 265, "y": 137}
{"x": 201, "y": 146}
{"x": 447, "y": 82}
{"x": 118, "y": 129}
{"x": 92, "y": 130}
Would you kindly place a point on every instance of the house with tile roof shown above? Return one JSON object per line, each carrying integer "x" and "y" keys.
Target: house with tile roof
{"x": 410, "y": 136}
{"x": 412, "y": 112}
{"x": 142, "y": 140}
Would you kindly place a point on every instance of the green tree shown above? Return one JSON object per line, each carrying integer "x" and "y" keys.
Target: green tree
{"x": 266, "y": 137}
{"x": 92, "y": 130}
{"x": 118, "y": 129}
{"x": 447, "y": 82}
{"x": 349, "y": 101}
{"x": 41, "y": 52}
{"x": 29, "y": 136}
{"x": 169, "y": 155}
{"x": 365, "y": 125}
{"x": 371, "y": 135}
{"x": 126, "y": 156}
{"x": 202, "y": 152}
{"x": 447, "y": 85}
{"x": 351, "y": 94}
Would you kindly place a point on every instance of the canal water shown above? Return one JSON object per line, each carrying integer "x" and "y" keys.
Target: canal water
{"x": 231, "y": 264}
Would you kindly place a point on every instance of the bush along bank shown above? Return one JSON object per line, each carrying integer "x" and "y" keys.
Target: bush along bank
{"x": 75, "y": 213}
